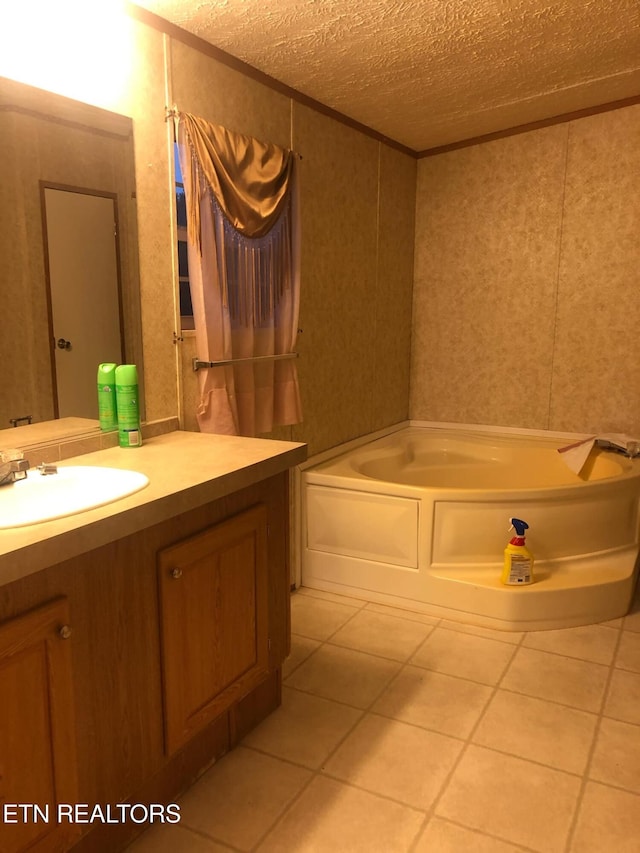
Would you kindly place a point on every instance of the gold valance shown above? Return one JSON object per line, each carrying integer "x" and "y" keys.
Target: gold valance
{"x": 249, "y": 179}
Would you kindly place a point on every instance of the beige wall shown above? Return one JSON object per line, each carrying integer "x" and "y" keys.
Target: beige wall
{"x": 526, "y": 308}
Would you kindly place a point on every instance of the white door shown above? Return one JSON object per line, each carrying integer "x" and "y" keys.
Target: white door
{"x": 85, "y": 299}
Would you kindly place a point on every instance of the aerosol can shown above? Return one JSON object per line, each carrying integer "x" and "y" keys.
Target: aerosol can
{"x": 518, "y": 559}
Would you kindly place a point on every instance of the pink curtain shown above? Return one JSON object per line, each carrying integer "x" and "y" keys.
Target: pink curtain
{"x": 244, "y": 272}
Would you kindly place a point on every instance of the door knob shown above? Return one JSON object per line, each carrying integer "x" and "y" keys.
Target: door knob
{"x": 62, "y": 344}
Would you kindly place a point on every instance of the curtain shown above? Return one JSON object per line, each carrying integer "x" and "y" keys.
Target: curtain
{"x": 244, "y": 272}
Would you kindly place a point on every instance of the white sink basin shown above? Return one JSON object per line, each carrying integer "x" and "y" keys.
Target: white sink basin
{"x": 75, "y": 488}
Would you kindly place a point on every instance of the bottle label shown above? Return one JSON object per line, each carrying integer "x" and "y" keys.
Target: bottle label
{"x": 127, "y": 404}
{"x": 107, "y": 407}
{"x": 519, "y": 570}
{"x": 130, "y": 438}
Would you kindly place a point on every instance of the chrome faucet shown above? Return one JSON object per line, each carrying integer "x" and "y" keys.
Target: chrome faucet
{"x": 13, "y": 466}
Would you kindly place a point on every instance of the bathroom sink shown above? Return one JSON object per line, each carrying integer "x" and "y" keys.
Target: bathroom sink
{"x": 73, "y": 489}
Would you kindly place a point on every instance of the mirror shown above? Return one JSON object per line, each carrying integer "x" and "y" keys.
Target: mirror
{"x": 57, "y": 156}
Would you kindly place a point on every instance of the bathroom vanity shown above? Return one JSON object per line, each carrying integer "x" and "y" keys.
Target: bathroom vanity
{"x": 141, "y": 640}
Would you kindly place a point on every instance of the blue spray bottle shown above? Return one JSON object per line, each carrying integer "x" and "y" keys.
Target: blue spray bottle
{"x": 518, "y": 559}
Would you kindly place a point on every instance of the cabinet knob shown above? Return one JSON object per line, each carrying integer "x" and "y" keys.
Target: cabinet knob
{"x": 65, "y": 632}
{"x": 176, "y": 573}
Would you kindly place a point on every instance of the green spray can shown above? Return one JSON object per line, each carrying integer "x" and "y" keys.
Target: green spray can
{"x": 128, "y": 406}
{"x": 107, "y": 414}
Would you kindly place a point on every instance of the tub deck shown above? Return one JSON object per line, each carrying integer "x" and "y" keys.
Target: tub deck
{"x": 419, "y": 519}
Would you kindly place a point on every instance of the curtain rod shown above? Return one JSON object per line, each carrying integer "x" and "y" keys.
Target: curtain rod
{"x": 174, "y": 113}
{"x": 197, "y": 364}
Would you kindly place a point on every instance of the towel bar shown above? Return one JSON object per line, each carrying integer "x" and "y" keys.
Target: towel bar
{"x": 197, "y": 363}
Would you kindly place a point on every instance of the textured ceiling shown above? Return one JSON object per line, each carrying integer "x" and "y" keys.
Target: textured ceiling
{"x": 427, "y": 73}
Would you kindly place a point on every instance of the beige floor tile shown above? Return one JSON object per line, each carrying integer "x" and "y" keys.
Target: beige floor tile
{"x": 380, "y": 771}
{"x": 512, "y": 637}
{"x": 616, "y": 759}
{"x": 241, "y": 796}
{"x": 608, "y": 821}
{"x": 464, "y": 655}
{"x": 623, "y": 700}
{"x": 628, "y": 656}
{"x": 593, "y": 643}
{"x": 412, "y": 615}
{"x": 577, "y": 683}
{"x": 440, "y": 836}
{"x": 382, "y": 635}
{"x": 304, "y": 729}
{"x": 513, "y": 799}
{"x": 399, "y": 761}
{"x": 331, "y": 816}
{"x": 316, "y": 618}
{"x": 344, "y": 675}
{"x": 301, "y": 648}
{"x": 539, "y": 730}
{"x": 170, "y": 839}
{"x": 434, "y": 701}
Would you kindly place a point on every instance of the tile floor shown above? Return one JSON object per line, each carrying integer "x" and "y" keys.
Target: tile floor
{"x": 401, "y": 732}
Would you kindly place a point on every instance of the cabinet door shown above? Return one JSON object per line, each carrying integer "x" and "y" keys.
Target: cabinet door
{"x": 214, "y": 622}
{"x": 37, "y": 735}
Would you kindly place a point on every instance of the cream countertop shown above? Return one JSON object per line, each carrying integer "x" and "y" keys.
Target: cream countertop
{"x": 185, "y": 470}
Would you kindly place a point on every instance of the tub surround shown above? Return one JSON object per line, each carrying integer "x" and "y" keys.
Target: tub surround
{"x": 419, "y": 519}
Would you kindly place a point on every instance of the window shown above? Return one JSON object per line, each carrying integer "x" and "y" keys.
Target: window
{"x": 186, "y": 309}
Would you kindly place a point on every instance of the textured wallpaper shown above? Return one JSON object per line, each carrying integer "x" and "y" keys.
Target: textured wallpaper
{"x": 597, "y": 345}
{"x": 527, "y": 256}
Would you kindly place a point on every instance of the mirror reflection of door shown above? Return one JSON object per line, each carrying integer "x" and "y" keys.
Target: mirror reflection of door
{"x": 85, "y": 313}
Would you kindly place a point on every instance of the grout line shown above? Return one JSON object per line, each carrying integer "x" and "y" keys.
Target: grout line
{"x": 326, "y": 699}
{"x": 327, "y": 775}
{"x": 299, "y": 664}
{"x": 320, "y": 773}
{"x": 489, "y": 835}
{"x": 289, "y": 805}
{"x": 317, "y": 773}
{"x": 550, "y": 701}
{"x": 468, "y": 742}
{"x": 596, "y": 734}
{"x": 199, "y": 833}
{"x": 571, "y": 657}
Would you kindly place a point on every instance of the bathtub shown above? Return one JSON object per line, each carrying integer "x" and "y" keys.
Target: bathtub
{"x": 419, "y": 519}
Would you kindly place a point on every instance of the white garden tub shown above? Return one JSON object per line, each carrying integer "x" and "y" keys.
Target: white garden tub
{"x": 419, "y": 519}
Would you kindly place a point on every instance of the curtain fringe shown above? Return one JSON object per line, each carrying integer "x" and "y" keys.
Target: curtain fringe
{"x": 254, "y": 271}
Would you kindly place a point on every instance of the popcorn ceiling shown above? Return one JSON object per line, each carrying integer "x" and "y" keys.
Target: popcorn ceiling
{"x": 430, "y": 72}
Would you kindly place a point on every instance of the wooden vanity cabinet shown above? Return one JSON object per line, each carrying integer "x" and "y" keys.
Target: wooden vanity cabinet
{"x": 37, "y": 732}
{"x": 179, "y": 632}
{"x": 214, "y": 621}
